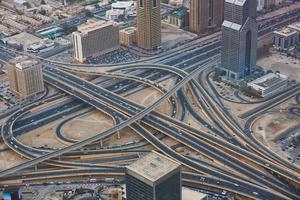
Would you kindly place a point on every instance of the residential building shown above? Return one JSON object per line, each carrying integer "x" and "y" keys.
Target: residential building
{"x": 95, "y": 38}
{"x": 128, "y": 36}
{"x": 239, "y": 39}
{"x": 269, "y": 84}
{"x": 153, "y": 176}
{"x": 148, "y": 24}
{"x": 25, "y": 78}
{"x": 285, "y": 39}
{"x": 205, "y": 14}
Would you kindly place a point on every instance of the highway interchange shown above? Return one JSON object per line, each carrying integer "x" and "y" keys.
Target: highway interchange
{"x": 240, "y": 165}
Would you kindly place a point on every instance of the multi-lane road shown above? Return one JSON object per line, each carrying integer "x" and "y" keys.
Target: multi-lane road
{"x": 230, "y": 159}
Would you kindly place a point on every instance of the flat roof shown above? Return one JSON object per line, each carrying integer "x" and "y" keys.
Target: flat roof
{"x": 23, "y": 38}
{"x": 268, "y": 80}
{"x": 26, "y": 64}
{"x": 295, "y": 26}
{"x": 286, "y": 32}
{"x": 237, "y": 2}
{"x": 122, "y": 4}
{"x": 231, "y": 25}
{"x": 128, "y": 29}
{"x": 92, "y": 25}
{"x": 153, "y": 166}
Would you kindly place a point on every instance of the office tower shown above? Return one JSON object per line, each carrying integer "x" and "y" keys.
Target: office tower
{"x": 25, "y": 78}
{"x": 239, "y": 39}
{"x": 205, "y": 14}
{"x": 148, "y": 24}
{"x": 95, "y": 38}
{"x": 153, "y": 177}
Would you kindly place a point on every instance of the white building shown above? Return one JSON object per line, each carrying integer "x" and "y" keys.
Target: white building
{"x": 126, "y": 7}
{"x": 269, "y": 84}
{"x": 113, "y": 14}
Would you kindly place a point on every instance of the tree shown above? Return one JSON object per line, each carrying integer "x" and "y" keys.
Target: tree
{"x": 43, "y": 2}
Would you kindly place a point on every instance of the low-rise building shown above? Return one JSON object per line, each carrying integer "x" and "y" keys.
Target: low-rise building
{"x": 113, "y": 14}
{"x": 269, "y": 84}
{"x": 179, "y": 18}
{"x": 128, "y": 36}
{"x": 285, "y": 39}
{"x": 95, "y": 38}
{"x": 21, "y": 41}
{"x": 126, "y": 7}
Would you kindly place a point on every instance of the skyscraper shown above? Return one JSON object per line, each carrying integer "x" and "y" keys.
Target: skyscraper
{"x": 148, "y": 24}
{"x": 25, "y": 78}
{"x": 205, "y": 14}
{"x": 153, "y": 177}
{"x": 239, "y": 39}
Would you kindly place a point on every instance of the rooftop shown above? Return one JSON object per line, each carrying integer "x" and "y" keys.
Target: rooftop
{"x": 26, "y": 64}
{"x": 268, "y": 80}
{"x": 237, "y": 2}
{"x": 295, "y": 26}
{"x": 285, "y": 32}
{"x": 23, "y": 38}
{"x": 128, "y": 29}
{"x": 122, "y": 4}
{"x": 92, "y": 25}
{"x": 153, "y": 166}
{"x": 231, "y": 25}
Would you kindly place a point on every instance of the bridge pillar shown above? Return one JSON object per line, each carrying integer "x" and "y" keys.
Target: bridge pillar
{"x": 101, "y": 143}
{"x": 118, "y": 135}
{"x": 35, "y": 167}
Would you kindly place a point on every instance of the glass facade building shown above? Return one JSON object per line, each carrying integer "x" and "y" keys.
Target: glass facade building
{"x": 239, "y": 39}
{"x": 153, "y": 177}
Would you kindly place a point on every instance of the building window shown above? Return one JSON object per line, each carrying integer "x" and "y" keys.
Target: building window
{"x": 141, "y": 3}
{"x": 154, "y": 3}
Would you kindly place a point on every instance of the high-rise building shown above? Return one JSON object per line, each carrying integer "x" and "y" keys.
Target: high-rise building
{"x": 25, "y": 78}
{"x": 95, "y": 38}
{"x": 154, "y": 176}
{"x": 205, "y": 14}
{"x": 239, "y": 39}
{"x": 148, "y": 24}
